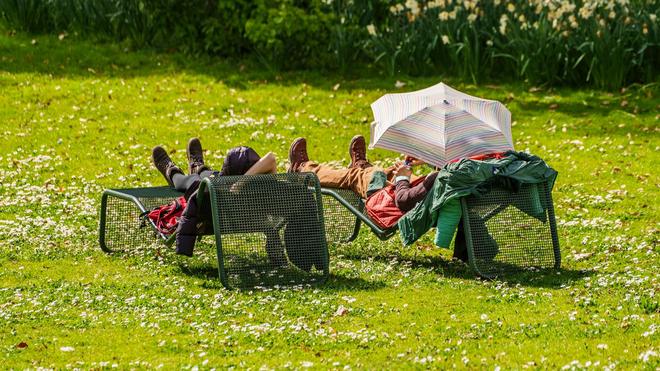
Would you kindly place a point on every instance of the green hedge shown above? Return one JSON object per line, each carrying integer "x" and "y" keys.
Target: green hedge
{"x": 606, "y": 43}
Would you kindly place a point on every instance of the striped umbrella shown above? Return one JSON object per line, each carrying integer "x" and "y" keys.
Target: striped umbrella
{"x": 440, "y": 124}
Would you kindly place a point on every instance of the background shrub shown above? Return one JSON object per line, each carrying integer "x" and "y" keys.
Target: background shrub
{"x": 27, "y": 15}
{"x": 222, "y": 29}
{"x": 604, "y": 43}
{"x": 290, "y": 34}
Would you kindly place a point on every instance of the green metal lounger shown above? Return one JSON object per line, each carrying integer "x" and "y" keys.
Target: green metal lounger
{"x": 269, "y": 229}
{"x": 504, "y": 231}
{"x": 351, "y": 203}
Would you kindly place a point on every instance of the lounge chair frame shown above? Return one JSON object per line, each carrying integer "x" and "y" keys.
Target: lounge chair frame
{"x": 243, "y": 210}
{"x": 535, "y": 245}
{"x": 502, "y": 216}
{"x": 356, "y": 207}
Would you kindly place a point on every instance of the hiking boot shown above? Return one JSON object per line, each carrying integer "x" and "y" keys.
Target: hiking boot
{"x": 164, "y": 164}
{"x": 297, "y": 154}
{"x": 195, "y": 157}
{"x": 358, "y": 152}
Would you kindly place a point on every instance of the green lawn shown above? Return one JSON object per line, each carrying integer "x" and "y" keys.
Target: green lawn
{"x": 76, "y": 118}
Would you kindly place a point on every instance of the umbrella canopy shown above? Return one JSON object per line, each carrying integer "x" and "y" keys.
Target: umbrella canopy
{"x": 440, "y": 124}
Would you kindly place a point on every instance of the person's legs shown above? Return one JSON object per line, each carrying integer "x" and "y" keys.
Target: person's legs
{"x": 460, "y": 245}
{"x": 487, "y": 248}
{"x": 265, "y": 165}
{"x": 183, "y": 182}
{"x": 355, "y": 179}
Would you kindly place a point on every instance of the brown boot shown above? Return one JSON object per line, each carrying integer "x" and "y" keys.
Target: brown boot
{"x": 164, "y": 164}
{"x": 297, "y": 154}
{"x": 358, "y": 153}
{"x": 195, "y": 157}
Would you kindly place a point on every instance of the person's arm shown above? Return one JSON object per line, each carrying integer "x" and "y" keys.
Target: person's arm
{"x": 406, "y": 196}
{"x": 402, "y": 194}
{"x": 266, "y": 165}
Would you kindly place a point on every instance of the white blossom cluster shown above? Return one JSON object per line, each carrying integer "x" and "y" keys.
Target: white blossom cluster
{"x": 563, "y": 16}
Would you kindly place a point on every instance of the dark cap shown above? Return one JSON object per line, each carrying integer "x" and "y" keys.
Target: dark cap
{"x": 239, "y": 160}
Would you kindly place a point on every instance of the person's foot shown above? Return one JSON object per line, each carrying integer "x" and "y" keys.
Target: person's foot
{"x": 164, "y": 164}
{"x": 195, "y": 156}
{"x": 297, "y": 154}
{"x": 358, "y": 152}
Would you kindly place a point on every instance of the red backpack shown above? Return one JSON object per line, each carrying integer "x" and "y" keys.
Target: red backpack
{"x": 381, "y": 206}
{"x": 166, "y": 217}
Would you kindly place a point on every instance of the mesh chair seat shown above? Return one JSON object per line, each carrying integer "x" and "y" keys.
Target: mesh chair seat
{"x": 269, "y": 229}
{"x": 345, "y": 212}
{"x": 505, "y": 231}
{"x": 341, "y": 223}
{"x": 120, "y": 226}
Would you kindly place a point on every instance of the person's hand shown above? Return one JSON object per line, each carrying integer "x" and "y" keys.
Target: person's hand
{"x": 402, "y": 170}
{"x": 414, "y": 161}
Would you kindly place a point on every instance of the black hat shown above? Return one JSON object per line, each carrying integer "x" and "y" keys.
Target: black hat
{"x": 239, "y": 160}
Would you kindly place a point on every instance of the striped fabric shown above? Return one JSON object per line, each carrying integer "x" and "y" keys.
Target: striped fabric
{"x": 440, "y": 124}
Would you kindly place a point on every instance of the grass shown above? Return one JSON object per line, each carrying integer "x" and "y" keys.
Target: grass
{"x": 77, "y": 118}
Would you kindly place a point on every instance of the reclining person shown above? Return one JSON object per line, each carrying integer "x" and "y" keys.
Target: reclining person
{"x": 365, "y": 179}
{"x": 360, "y": 176}
{"x": 240, "y": 160}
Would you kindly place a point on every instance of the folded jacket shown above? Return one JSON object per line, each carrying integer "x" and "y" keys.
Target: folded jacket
{"x": 474, "y": 177}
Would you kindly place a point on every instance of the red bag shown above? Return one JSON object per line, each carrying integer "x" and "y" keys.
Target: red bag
{"x": 166, "y": 217}
{"x": 381, "y": 206}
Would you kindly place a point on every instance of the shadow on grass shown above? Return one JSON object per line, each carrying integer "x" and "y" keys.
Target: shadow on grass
{"x": 205, "y": 272}
{"x": 448, "y": 268}
{"x": 547, "y": 278}
{"x": 209, "y": 275}
{"x": 591, "y": 113}
{"x": 343, "y": 283}
{"x": 79, "y": 58}
{"x": 512, "y": 275}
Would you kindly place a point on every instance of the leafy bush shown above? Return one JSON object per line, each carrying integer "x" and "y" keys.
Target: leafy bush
{"x": 223, "y": 31}
{"x": 286, "y": 34}
{"x": 605, "y": 43}
{"x": 165, "y": 24}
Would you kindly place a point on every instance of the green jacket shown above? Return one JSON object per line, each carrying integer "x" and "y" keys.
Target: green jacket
{"x": 472, "y": 177}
